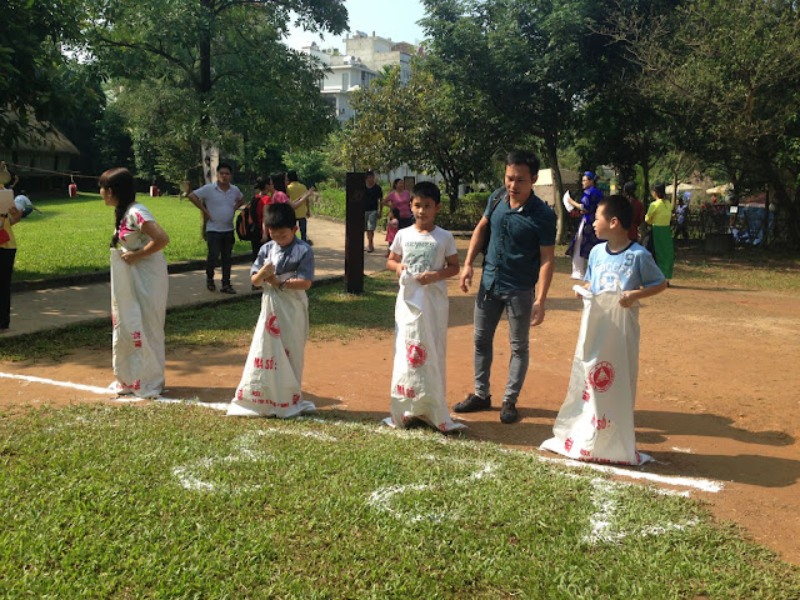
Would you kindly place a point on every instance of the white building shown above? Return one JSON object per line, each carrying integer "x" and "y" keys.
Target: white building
{"x": 364, "y": 59}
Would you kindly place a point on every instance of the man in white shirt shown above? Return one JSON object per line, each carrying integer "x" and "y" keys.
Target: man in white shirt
{"x": 218, "y": 202}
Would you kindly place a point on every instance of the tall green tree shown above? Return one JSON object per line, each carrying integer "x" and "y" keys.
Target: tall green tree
{"x": 428, "y": 124}
{"x": 728, "y": 73}
{"x": 522, "y": 56}
{"x": 215, "y": 71}
{"x": 31, "y": 59}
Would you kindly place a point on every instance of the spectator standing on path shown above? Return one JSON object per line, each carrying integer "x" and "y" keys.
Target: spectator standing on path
{"x": 637, "y": 217}
{"x": 585, "y": 238}
{"x": 301, "y": 203}
{"x": 139, "y": 287}
{"x": 518, "y": 232}
{"x": 372, "y": 199}
{"x": 8, "y": 253}
{"x": 682, "y": 219}
{"x": 218, "y": 203}
{"x": 400, "y": 199}
{"x": 659, "y": 215}
{"x": 261, "y": 199}
{"x": 277, "y": 189}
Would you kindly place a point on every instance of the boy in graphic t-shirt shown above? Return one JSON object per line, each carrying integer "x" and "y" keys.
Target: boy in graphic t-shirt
{"x": 423, "y": 256}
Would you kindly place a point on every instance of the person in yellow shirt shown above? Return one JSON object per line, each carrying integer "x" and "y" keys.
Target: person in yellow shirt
{"x": 659, "y": 215}
{"x": 300, "y": 201}
{"x": 8, "y": 252}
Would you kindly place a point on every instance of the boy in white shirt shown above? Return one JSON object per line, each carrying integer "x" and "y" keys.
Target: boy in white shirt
{"x": 423, "y": 256}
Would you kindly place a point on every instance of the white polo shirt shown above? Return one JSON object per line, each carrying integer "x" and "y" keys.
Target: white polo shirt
{"x": 220, "y": 204}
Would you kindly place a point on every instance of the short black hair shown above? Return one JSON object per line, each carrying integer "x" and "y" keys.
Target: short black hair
{"x": 524, "y": 157}
{"x": 617, "y": 206}
{"x": 278, "y": 181}
{"x": 427, "y": 189}
{"x": 224, "y": 165}
{"x": 629, "y": 189}
{"x": 369, "y": 173}
{"x": 291, "y": 175}
{"x": 279, "y": 216}
{"x": 660, "y": 189}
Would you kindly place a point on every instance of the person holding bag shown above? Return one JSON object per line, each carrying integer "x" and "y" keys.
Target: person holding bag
{"x": 139, "y": 286}
{"x": 595, "y": 422}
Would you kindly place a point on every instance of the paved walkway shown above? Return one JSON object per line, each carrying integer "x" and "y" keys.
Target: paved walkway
{"x": 48, "y": 309}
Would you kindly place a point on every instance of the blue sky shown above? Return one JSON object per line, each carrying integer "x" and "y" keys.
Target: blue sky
{"x": 394, "y": 19}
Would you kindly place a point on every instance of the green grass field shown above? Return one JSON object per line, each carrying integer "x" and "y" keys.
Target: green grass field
{"x": 72, "y": 236}
{"x": 174, "y": 501}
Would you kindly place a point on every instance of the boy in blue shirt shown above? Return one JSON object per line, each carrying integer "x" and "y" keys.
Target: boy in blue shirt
{"x": 595, "y": 422}
{"x": 273, "y": 373}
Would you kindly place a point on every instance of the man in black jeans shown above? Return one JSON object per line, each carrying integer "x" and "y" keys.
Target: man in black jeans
{"x": 218, "y": 202}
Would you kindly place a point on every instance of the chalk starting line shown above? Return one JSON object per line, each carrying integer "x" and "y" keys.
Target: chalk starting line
{"x": 700, "y": 484}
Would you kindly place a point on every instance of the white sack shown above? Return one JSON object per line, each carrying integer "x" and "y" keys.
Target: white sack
{"x": 138, "y": 308}
{"x": 595, "y": 422}
{"x": 418, "y": 375}
{"x": 270, "y": 384}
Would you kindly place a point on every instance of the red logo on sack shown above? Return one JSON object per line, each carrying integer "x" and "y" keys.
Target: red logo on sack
{"x": 568, "y": 444}
{"x": 272, "y": 326}
{"x": 416, "y": 355}
{"x": 601, "y": 376}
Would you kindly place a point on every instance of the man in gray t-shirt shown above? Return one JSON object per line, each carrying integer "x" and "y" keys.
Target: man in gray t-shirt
{"x": 218, "y": 202}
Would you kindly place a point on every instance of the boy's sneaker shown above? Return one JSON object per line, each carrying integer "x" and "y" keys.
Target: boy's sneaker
{"x": 210, "y": 285}
{"x": 228, "y": 289}
{"x": 473, "y": 403}
{"x": 508, "y": 413}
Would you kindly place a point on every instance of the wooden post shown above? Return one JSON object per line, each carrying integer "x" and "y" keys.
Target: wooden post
{"x": 355, "y": 189}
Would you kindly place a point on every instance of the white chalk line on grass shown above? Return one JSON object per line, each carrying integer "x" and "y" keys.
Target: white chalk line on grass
{"x": 381, "y": 498}
{"x": 244, "y": 452}
{"x": 605, "y": 503}
{"x": 104, "y": 391}
{"x": 67, "y": 384}
{"x": 703, "y": 485}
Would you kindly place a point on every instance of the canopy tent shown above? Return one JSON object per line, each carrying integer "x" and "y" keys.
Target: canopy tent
{"x": 682, "y": 187}
{"x": 721, "y": 189}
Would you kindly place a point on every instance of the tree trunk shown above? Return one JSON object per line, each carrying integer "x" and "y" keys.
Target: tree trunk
{"x": 551, "y": 151}
{"x": 451, "y": 184}
{"x": 209, "y": 152}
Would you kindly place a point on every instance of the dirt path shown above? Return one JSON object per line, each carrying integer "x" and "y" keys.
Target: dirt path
{"x": 719, "y": 396}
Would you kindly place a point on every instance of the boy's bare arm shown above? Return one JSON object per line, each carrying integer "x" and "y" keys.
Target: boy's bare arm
{"x": 393, "y": 263}
{"x": 264, "y": 274}
{"x": 296, "y": 283}
{"x": 628, "y": 298}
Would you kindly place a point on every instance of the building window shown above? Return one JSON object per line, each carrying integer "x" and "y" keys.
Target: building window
{"x": 345, "y": 81}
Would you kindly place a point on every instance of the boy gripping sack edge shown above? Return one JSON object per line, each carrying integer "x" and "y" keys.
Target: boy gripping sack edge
{"x": 423, "y": 256}
{"x": 596, "y": 420}
{"x": 273, "y": 374}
